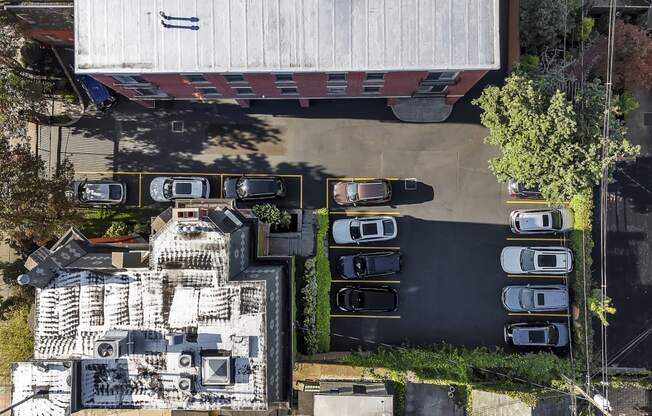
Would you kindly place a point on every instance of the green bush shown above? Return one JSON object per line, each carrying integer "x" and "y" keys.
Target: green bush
{"x": 599, "y": 307}
{"x": 585, "y": 29}
{"x": 309, "y": 294}
{"x": 626, "y": 103}
{"x": 324, "y": 278}
{"x": 544, "y": 23}
{"x": 95, "y": 222}
{"x": 271, "y": 214}
{"x": 117, "y": 229}
{"x": 530, "y": 62}
{"x": 17, "y": 340}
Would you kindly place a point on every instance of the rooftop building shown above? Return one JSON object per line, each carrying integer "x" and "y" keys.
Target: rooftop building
{"x": 191, "y": 321}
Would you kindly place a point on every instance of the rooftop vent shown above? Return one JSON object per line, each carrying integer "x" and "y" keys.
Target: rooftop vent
{"x": 216, "y": 370}
{"x": 185, "y": 360}
{"x": 111, "y": 345}
{"x": 184, "y": 383}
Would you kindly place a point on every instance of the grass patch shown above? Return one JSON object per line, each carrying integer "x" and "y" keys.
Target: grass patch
{"x": 17, "y": 340}
{"x": 581, "y": 242}
{"x": 97, "y": 221}
{"x": 481, "y": 368}
{"x": 323, "y": 283}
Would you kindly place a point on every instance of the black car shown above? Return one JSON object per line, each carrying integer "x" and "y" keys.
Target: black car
{"x": 358, "y": 266}
{"x": 367, "y": 299}
{"x": 254, "y": 187}
{"x": 518, "y": 190}
{"x": 98, "y": 192}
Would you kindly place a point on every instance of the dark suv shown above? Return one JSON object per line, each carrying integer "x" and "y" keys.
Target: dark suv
{"x": 358, "y": 266}
{"x": 362, "y": 192}
{"x": 254, "y": 187}
{"x": 367, "y": 299}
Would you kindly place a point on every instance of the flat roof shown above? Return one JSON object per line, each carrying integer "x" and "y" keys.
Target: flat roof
{"x": 204, "y": 36}
{"x": 353, "y": 405}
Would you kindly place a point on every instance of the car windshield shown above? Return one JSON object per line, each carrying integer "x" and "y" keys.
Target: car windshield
{"x": 357, "y": 299}
{"x": 556, "y": 220}
{"x": 553, "y": 335}
{"x": 527, "y": 260}
{"x": 352, "y": 191}
{"x": 360, "y": 265}
{"x": 83, "y": 196}
{"x": 115, "y": 192}
{"x": 527, "y": 299}
{"x": 167, "y": 188}
{"x": 355, "y": 230}
{"x": 242, "y": 189}
{"x": 388, "y": 227}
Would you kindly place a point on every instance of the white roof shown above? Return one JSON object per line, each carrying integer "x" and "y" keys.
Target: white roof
{"x": 129, "y": 36}
{"x": 354, "y": 405}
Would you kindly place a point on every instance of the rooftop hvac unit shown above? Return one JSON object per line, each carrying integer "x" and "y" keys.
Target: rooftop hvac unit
{"x": 174, "y": 339}
{"x": 184, "y": 383}
{"x": 188, "y": 229}
{"x": 111, "y": 345}
{"x": 185, "y": 360}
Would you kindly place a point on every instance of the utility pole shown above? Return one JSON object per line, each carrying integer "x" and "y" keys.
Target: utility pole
{"x": 575, "y": 389}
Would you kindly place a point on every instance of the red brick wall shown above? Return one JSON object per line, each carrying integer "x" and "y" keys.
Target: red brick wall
{"x": 65, "y": 37}
{"x": 354, "y": 83}
{"x": 111, "y": 83}
{"x": 174, "y": 85}
{"x": 263, "y": 85}
{"x": 311, "y": 84}
{"x": 465, "y": 82}
{"x": 402, "y": 83}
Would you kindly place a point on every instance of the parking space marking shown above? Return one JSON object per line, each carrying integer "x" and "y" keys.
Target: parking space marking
{"x": 550, "y": 315}
{"x": 368, "y": 316}
{"x": 354, "y": 213}
{"x": 560, "y": 239}
{"x": 527, "y": 201}
{"x": 356, "y": 281}
{"x": 140, "y": 191}
{"x": 541, "y": 276}
{"x": 366, "y": 247}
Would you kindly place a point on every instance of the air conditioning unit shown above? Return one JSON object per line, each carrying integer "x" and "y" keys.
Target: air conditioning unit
{"x": 185, "y": 360}
{"x": 111, "y": 345}
{"x": 184, "y": 383}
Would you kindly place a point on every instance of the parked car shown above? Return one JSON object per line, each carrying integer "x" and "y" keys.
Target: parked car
{"x": 367, "y": 299}
{"x": 361, "y": 265}
{"x": 366, "y": 229}
{"x": 165, "y": 188}
{"x": 535, "y": 298}
{"x": 541, "y": 221}
{"x": 363, "y": 192}
{"x": 97, "y": 93}
{"x": 98, "y": 192}
{"x": 537, "y": 334}
{"x": 254, "y": 187}
{"x": 533, "y": 260}
{"x": 518, "y": 190}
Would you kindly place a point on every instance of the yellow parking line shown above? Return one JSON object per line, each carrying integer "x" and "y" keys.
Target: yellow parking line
{"x": 527, "y": 201}
{"x": 327, "y": 192}
{"x": 359, "y": 281}
{"x": 362, "y": 179}
{"x": 368, "y": 316}
{"x": 140, "y": 191}
{"x": 353, "y": 247}
{"x": 283, "y": 175}
{"x": 352, "y": 213}
{"x": 551, "y": 315}
{"x": 536, "y": 239}
{"x": 542, "y": 276}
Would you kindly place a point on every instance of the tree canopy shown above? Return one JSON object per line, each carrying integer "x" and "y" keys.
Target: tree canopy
{"x": 33, "y": 206}
{"x": 543, "y": 140}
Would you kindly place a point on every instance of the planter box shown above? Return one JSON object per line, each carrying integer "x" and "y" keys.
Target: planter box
{"x": 294, "y": 227}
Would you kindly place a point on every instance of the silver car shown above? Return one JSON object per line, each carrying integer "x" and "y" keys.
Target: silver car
{"x": 364, "y": 229}
{"x": 537, "y": 334}
{"x": 536, "y": 260}
{"x": 165, "y": 188}
{"x": 535, "y": 298}
{"x": 541, "y": 221}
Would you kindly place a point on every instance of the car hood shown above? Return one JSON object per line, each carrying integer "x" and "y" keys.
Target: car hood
{"x": 511, "y": 298}
{"x": 346, "y": 266}
{"x": 156, "y": 189}
{"x": 510, "y": 259}
{"x": 342, "y": 231}
{"x": 230, "y": 186}
{"x": 339, "y": 193}
{"x": 553, "y": 299}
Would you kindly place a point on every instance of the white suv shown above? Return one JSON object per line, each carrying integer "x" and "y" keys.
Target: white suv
{"x": 541, "y": 221}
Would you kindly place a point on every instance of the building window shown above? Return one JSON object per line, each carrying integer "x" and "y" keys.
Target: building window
{"x": 284, "y": 77}
{"x": 337, "y": 77}
{"x": 375, "y": 76}
{"x": 289, "y": 91}
{"x": 442, "y": 76}
{"x": 195, "y": 79}
{"x": 432, "y": 89}
{"x": 149, "y": 92}
{"x": 234, "y": 78}
{"x": 244, "y": 91}
{"x": 336, "y": 89}
{"x": 208, "y": 91}
{"x": 129, "y": 79}
{"x": 371, "y": 90}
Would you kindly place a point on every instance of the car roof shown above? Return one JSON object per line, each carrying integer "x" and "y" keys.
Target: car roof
{"x": 371, "y": 190}
{"x": 260, "y": 185}
{"x": 378, "y": 299}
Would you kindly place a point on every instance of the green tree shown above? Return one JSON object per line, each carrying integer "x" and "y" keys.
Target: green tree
{"x": 33, "y": 207}
{"x": 117, "y": 229}
{"x": 599, "y": 307}
{"x": 545, "y": 22}
{"x": 17, "y": 340}
{"x": 543, "y": 140}
{"x": 271, "y": 214}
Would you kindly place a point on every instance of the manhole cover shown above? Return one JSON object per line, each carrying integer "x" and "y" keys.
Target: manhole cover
{"x": 647, "y": 119}
{"x": 411, "y": 184}
{"x": 177, "y": 127}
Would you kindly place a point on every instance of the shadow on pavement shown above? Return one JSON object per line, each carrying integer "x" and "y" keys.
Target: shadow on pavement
{"x": 633, "y": 181}
{"x": 403, "y": 194}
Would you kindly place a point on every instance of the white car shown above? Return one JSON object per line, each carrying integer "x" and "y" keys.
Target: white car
{"x": 541, "y": 221}
{"x": 362, "y": 230}
{"x": 536, "y": 260}
{"x": 531, "y": 298}
{"x": 165, "y": 188}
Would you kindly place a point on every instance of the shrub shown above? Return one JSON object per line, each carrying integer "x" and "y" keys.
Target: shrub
{"x": 626, "y": 103}
{"x": 272, "y": 215}
{"x": 117, "y": 228}
{"x": 309, "y": 294}
{"x": 599, "y": 307}
{"x": 544, "y": 23}
{"x": 17, "y": 340}
{"x": 586, "y": 28}
{"x": 323, "y": 267}
{"x": 529, "y": 62}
